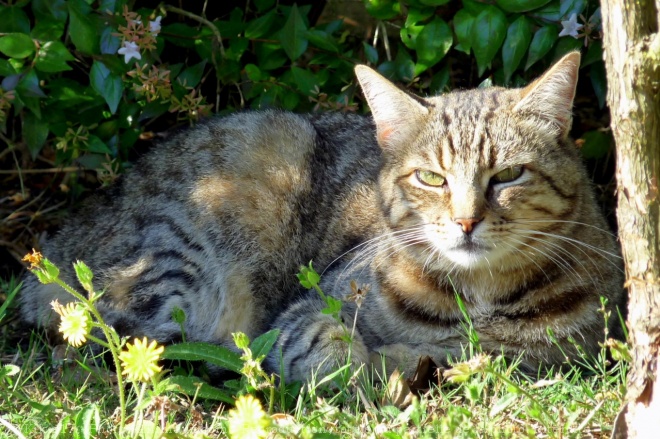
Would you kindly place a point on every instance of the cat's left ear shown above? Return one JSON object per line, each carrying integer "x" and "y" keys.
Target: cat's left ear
{"x": 397, "y": 114}
{"x": 550, "y": 97}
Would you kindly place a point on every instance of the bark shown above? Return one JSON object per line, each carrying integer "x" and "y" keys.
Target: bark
{"x": 632, "y": 59}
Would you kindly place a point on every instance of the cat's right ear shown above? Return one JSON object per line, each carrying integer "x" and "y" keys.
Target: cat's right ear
{"x": 396, "y": 113}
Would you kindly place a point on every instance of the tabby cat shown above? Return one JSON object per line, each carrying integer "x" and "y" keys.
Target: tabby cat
{"x": 478, "y": 193}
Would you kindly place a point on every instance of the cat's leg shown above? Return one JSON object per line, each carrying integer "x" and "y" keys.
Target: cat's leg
{"x": 313, "y": 344}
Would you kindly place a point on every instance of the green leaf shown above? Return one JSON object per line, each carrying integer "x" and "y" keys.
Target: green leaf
{"x": 52, "y": 57}
{"x": 263, "y": 5}
{"x": 503, "y": 403}
{"x": 439, "y": 82}
{"x": 308, "y": 277}
{"x": 305, "y": 80}
{"x": 405, "y": 67}
{"x": 6, "y": 69}
{"x": 434, "y": 2}
{"x": 416, "y": 15}
{"x": 178, "y": 315}
{"x": 433, "y": 43}
{"x": 292, "y": 35}
{"x": 17, "y": 45}
{"x": 262, "y": 345}
{"x": 260, "y": 26}
{"x": 409, "y": 35}
{"x": 13, "y": 19}
{"x": 551, "y": 12}
{"x": 28, "y": 86}
{"x": 322, "y": 39}
{"x": 370, "y": 53}
{"x": 383, "y": 9}
{"x": 565, "y": 45}
{"x": 596, "y": 144}
{"x": 87, "y": 422}
{"x": 594, "y": 53}
{"x": 35, "y": 133}
{"x": 192, "y": 386}
{"x": 463, "y": 21}
{"x": 81, "y": 28}
{"x": 542, "y": 42}
{"x": 107, "y": 84}
{"x": 270, "y": 56}
{"x": 192, "y": 75}
{"x": 253, "y": 73}
{"x": 520, "y": 5}
{"x": 96, "y": 145}
{"x": 11, "y": 291}
{"x": 515, "y": 45}
{"x": 570, "y": 7}
{"x": 199, "y": 351}
{"x": 180, "y": 34}
{"x": 50, "y": 9}
{"x": 109, "y": 43}
{"x": 289, "y": 101}
{"x": 84, "y": 275}
{"x": 488, "y": 33}
{"x": 48, "y": 30}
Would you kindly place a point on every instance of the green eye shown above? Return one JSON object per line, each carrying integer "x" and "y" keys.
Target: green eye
{"x": 508, "y": 174}
{"x": 430, "y": 178}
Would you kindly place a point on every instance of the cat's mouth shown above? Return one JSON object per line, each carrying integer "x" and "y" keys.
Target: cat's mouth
{"x": 469, "y": 253}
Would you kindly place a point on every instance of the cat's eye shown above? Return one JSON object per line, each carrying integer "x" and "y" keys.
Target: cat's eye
{"x": 430, "y": 178}
{"x": 508, "y": 174}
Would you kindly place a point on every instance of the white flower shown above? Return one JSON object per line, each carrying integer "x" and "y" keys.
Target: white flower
{"x": 570, "y": 27}
{"x": 154, "y": 26}
{"x": 130, "y": 50}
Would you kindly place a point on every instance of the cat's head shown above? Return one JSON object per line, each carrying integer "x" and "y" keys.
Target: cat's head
{"x": 474, "y": 176}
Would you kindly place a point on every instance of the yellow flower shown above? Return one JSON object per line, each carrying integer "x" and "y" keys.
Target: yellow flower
{"x": 248, "y": 420}
{"x": 139, "y": 360}
{"x": 34, "y": 259}
{"x": 75, "y": 323}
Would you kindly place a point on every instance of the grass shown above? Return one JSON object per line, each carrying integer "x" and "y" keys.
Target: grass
{"x": 63, "y": 392}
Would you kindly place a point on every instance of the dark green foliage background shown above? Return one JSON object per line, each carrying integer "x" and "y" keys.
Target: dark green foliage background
{"x": 61, "y": 75}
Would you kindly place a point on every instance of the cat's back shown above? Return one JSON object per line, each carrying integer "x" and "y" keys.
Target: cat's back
{"x": 231, "y": 204}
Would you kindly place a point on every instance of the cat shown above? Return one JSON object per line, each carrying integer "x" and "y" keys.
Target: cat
{"x": 476, "y": 193}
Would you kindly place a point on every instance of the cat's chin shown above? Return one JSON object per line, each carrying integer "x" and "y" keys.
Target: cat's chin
{"x": 474, "y": 256}
{"x": 468, "y": 258}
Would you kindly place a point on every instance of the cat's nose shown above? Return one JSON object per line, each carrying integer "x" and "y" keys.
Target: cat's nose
{"x": 467, "y": 224}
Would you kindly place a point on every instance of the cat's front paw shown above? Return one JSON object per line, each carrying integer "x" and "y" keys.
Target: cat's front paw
{"x": 398, "y": 356}
{"x": 320, "y": 349}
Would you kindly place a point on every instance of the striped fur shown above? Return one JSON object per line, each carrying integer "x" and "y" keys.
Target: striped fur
{"x": 217, "y": 220}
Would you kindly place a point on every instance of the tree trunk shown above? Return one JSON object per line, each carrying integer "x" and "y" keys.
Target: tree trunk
{"x": 632, "y": 59}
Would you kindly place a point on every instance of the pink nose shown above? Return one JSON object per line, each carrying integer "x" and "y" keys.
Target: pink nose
{"x": 467, "y": 224}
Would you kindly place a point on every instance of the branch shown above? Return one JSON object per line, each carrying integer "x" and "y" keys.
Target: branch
{"x": 199, "y": 19}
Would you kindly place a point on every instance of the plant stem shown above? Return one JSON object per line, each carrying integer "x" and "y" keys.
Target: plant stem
{"x": 114, "y": 345}
{"x": 199, "y": 19}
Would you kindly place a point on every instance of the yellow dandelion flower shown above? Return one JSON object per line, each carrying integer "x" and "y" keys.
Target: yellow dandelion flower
{"x": 248, "y": 420}
{"x": 75, "y": 322}
{"x": 140, "y": 360}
